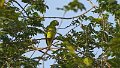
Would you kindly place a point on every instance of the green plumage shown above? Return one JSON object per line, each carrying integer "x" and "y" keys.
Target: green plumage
{"x": 50, "y": 32}
{"x": 1, "y": 3}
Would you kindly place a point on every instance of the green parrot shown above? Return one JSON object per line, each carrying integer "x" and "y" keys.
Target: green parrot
{"x": 50, "y": 32}
{"x": 1, "y": 3}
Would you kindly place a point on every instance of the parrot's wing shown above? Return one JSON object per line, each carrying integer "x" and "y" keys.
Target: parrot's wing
{"x": 50, "y": 34}
{"x": 2, "y": 3}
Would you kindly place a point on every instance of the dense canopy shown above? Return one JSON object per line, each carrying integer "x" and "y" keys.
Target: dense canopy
{"x": 87, "y": 40}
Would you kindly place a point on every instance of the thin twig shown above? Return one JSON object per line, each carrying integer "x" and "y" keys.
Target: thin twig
{"x": 25, "y": 6}
{"x": 45, "y": 48}
{"x": 33, "y": 52}
{"x": 61, "y": 20}
{"x": 36, "y": 48}
{"x": 65, "y": 27}
{"x": 21, "y": 7}
{"x": 19, "y": 11}
{"x": 41, "y": 39}
{"x": 40, "y": 50}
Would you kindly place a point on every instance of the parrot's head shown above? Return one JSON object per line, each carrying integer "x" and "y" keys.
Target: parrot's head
{"x": 54, "y": 23}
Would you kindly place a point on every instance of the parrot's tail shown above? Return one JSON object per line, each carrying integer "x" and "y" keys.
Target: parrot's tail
{"x": 49, "y": 41}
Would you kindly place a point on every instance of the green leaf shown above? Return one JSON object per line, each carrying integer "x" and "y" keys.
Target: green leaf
{"x": 75, "y": 5}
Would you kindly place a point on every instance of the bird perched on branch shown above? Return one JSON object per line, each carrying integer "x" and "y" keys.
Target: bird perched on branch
{"x": 50, "y": 32}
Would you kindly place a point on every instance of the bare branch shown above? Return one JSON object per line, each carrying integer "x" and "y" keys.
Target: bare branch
{"x": 23, "y": 9}
{"x": 68, "y": 17}
{"x": 65, "y": 27}
{"x": 33, "y": 53}
{"x": 46, "y": 48}
{"x": 41, "y": 39}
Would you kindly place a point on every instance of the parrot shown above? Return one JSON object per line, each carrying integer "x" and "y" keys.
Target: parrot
{"x": 1, "y": 3}
{"x": 51, "y": 32}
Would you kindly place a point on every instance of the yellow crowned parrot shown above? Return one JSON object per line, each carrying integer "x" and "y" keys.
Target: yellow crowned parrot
{"x": 50, "y": 32}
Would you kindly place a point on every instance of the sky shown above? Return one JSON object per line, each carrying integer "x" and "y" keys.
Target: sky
{"x": 53, "y": 4}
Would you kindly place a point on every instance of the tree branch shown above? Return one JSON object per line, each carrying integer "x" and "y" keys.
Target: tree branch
{"x": 68, "y": 17}
{"x": 23, "y": 9}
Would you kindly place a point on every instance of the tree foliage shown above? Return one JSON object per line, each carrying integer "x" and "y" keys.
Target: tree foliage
{"x": 75, "y": 49}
